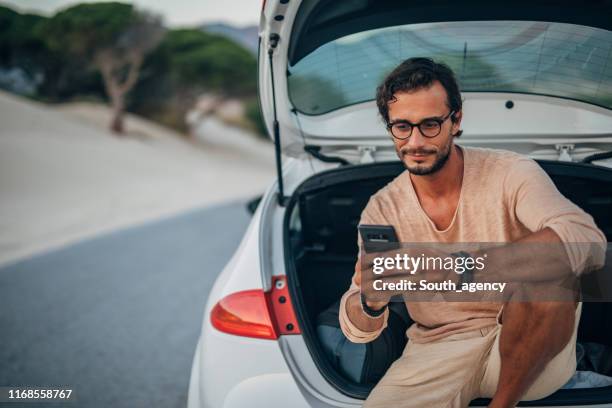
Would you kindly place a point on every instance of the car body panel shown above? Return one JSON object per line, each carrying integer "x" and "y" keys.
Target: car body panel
{"x": 272, "y": 260}
{"x": 225, "y": 365}
{"x": 268, "y": 390}
{"x": 484, "y": 115}
{"x": 224, "y": 361}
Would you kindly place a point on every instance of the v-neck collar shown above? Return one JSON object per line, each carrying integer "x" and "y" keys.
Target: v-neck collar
{"x": 461, "y": 194}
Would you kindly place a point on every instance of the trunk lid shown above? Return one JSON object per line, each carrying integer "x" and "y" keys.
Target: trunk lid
{"x": 536, "y": 76}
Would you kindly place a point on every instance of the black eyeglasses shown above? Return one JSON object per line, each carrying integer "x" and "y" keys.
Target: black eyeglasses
{"x": 431, "y": 127}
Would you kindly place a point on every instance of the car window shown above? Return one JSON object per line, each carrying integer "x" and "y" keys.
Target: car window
{"x": 556, "y": 59}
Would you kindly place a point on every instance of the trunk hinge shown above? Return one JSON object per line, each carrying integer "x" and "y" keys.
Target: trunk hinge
{"x": 315, "y": 151}
{"x": 367, "y": 154}
{"x": 564, "y": 152}
{"x": 282, "y": 199}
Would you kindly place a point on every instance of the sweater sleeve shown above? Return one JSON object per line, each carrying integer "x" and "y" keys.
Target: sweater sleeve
{"x": 538, "y": 205}
{"x": 372, "y": 214}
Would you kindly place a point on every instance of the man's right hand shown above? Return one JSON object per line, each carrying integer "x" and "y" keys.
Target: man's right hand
{"x": 373, "y": 304}
{"x": 365, "y": 276}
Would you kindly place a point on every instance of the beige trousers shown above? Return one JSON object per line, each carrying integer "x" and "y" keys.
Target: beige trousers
{"x": 451, "y": 372}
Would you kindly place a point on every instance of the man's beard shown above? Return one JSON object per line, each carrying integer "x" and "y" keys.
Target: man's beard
{"x": 439, "y": 161}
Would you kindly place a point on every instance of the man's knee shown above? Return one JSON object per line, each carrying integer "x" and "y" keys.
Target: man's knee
{"x": 551, "y": 321}
{"x": 540, "y": 312}
{"x": 561, "y": 291}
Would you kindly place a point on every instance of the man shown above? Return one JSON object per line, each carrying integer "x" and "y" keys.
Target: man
{"x": 457, "y": 351}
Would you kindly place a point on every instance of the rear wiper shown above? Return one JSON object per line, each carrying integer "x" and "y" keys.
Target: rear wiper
{"x": 597, "y": 156}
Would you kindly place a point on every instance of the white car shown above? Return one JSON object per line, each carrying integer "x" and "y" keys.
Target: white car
{"x": 536, "y": 78}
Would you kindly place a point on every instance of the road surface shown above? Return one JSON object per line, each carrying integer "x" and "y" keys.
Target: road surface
{"x": 116, "y": 317}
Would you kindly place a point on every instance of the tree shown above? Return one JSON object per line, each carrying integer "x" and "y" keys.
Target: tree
{"x": 185, "y": 65}
{"x": 211, "y": 61}
{"x": 113, "y": 38}
{"x": 21, "y": 48}
{"x": 18, "y": 37}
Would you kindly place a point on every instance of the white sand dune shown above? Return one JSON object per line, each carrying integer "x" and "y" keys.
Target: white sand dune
{"x": 64, "y": 177}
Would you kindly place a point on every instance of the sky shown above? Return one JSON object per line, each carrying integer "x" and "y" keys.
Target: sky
{"x": 175, "y": 12}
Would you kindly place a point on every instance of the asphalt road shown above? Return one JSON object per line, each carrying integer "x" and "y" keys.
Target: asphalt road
{"x": 116, "y": 318}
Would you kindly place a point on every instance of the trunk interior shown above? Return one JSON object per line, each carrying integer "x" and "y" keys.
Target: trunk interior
{"x": 321, "y": 249}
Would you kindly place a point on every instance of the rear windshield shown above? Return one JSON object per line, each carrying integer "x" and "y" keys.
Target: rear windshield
{"x": 555, "y": 59}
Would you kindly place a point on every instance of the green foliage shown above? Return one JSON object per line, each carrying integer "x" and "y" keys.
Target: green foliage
{"x": 210, "y": 61}
{"x": 20, "y": 39}
{"x": 9, "y": 19}
{"x": 189, "y": 62}
{"x": 85, "y": 28}
{"x": 253, "y": 114}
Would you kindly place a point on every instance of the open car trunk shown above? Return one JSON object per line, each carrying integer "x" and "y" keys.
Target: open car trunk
{"x": 321, "y": 250}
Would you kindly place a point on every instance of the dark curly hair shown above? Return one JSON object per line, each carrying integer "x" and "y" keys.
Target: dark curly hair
{"x": 414, "y": 74}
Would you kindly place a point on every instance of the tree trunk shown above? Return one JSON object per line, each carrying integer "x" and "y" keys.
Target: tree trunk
{"x": 117, "y": 121}
{"x": 118, "y": 109}
{"x": 115, "y": 88}
{"x": 118, "y": 90}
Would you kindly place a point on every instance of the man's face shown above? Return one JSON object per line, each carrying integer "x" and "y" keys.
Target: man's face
{"x": 422, "y": 155}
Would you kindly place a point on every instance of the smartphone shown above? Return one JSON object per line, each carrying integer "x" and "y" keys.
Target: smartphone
{"x": 378, "y": 237}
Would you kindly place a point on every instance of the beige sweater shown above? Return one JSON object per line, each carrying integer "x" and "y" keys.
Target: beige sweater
{"x": 504, "y": 197}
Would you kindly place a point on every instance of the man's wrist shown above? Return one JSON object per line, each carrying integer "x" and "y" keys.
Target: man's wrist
{"x": 372, "y": 309}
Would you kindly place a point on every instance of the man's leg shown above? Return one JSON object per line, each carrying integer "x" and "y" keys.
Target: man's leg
{"x": 532, "y": 334}
{"x": 441, "y": 374}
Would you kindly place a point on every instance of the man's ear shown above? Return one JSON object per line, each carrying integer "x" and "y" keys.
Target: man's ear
{"x": 456, "y": 123}
{"x": 457, "y": 116}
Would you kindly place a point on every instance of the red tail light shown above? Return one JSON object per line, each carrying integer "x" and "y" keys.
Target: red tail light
{"x": 255, "y": 313}
{"x": 244, "y": 314}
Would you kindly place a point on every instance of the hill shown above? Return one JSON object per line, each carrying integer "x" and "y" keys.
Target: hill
{"x": 64, "y": 177}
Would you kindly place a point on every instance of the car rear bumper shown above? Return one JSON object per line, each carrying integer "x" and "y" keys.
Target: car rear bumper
{"x": 232, "y": 371}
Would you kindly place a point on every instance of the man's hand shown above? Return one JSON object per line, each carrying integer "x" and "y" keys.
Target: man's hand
{"x": 371, "y": 304}
{"x": 390, "y": 270}
{"x": 364, "y": 277}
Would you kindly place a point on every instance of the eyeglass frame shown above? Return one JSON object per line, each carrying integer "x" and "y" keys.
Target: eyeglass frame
{"x": 440, "y": 121}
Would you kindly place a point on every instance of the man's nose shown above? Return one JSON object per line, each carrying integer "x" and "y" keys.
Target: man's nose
{"x": 416, "y": 139}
